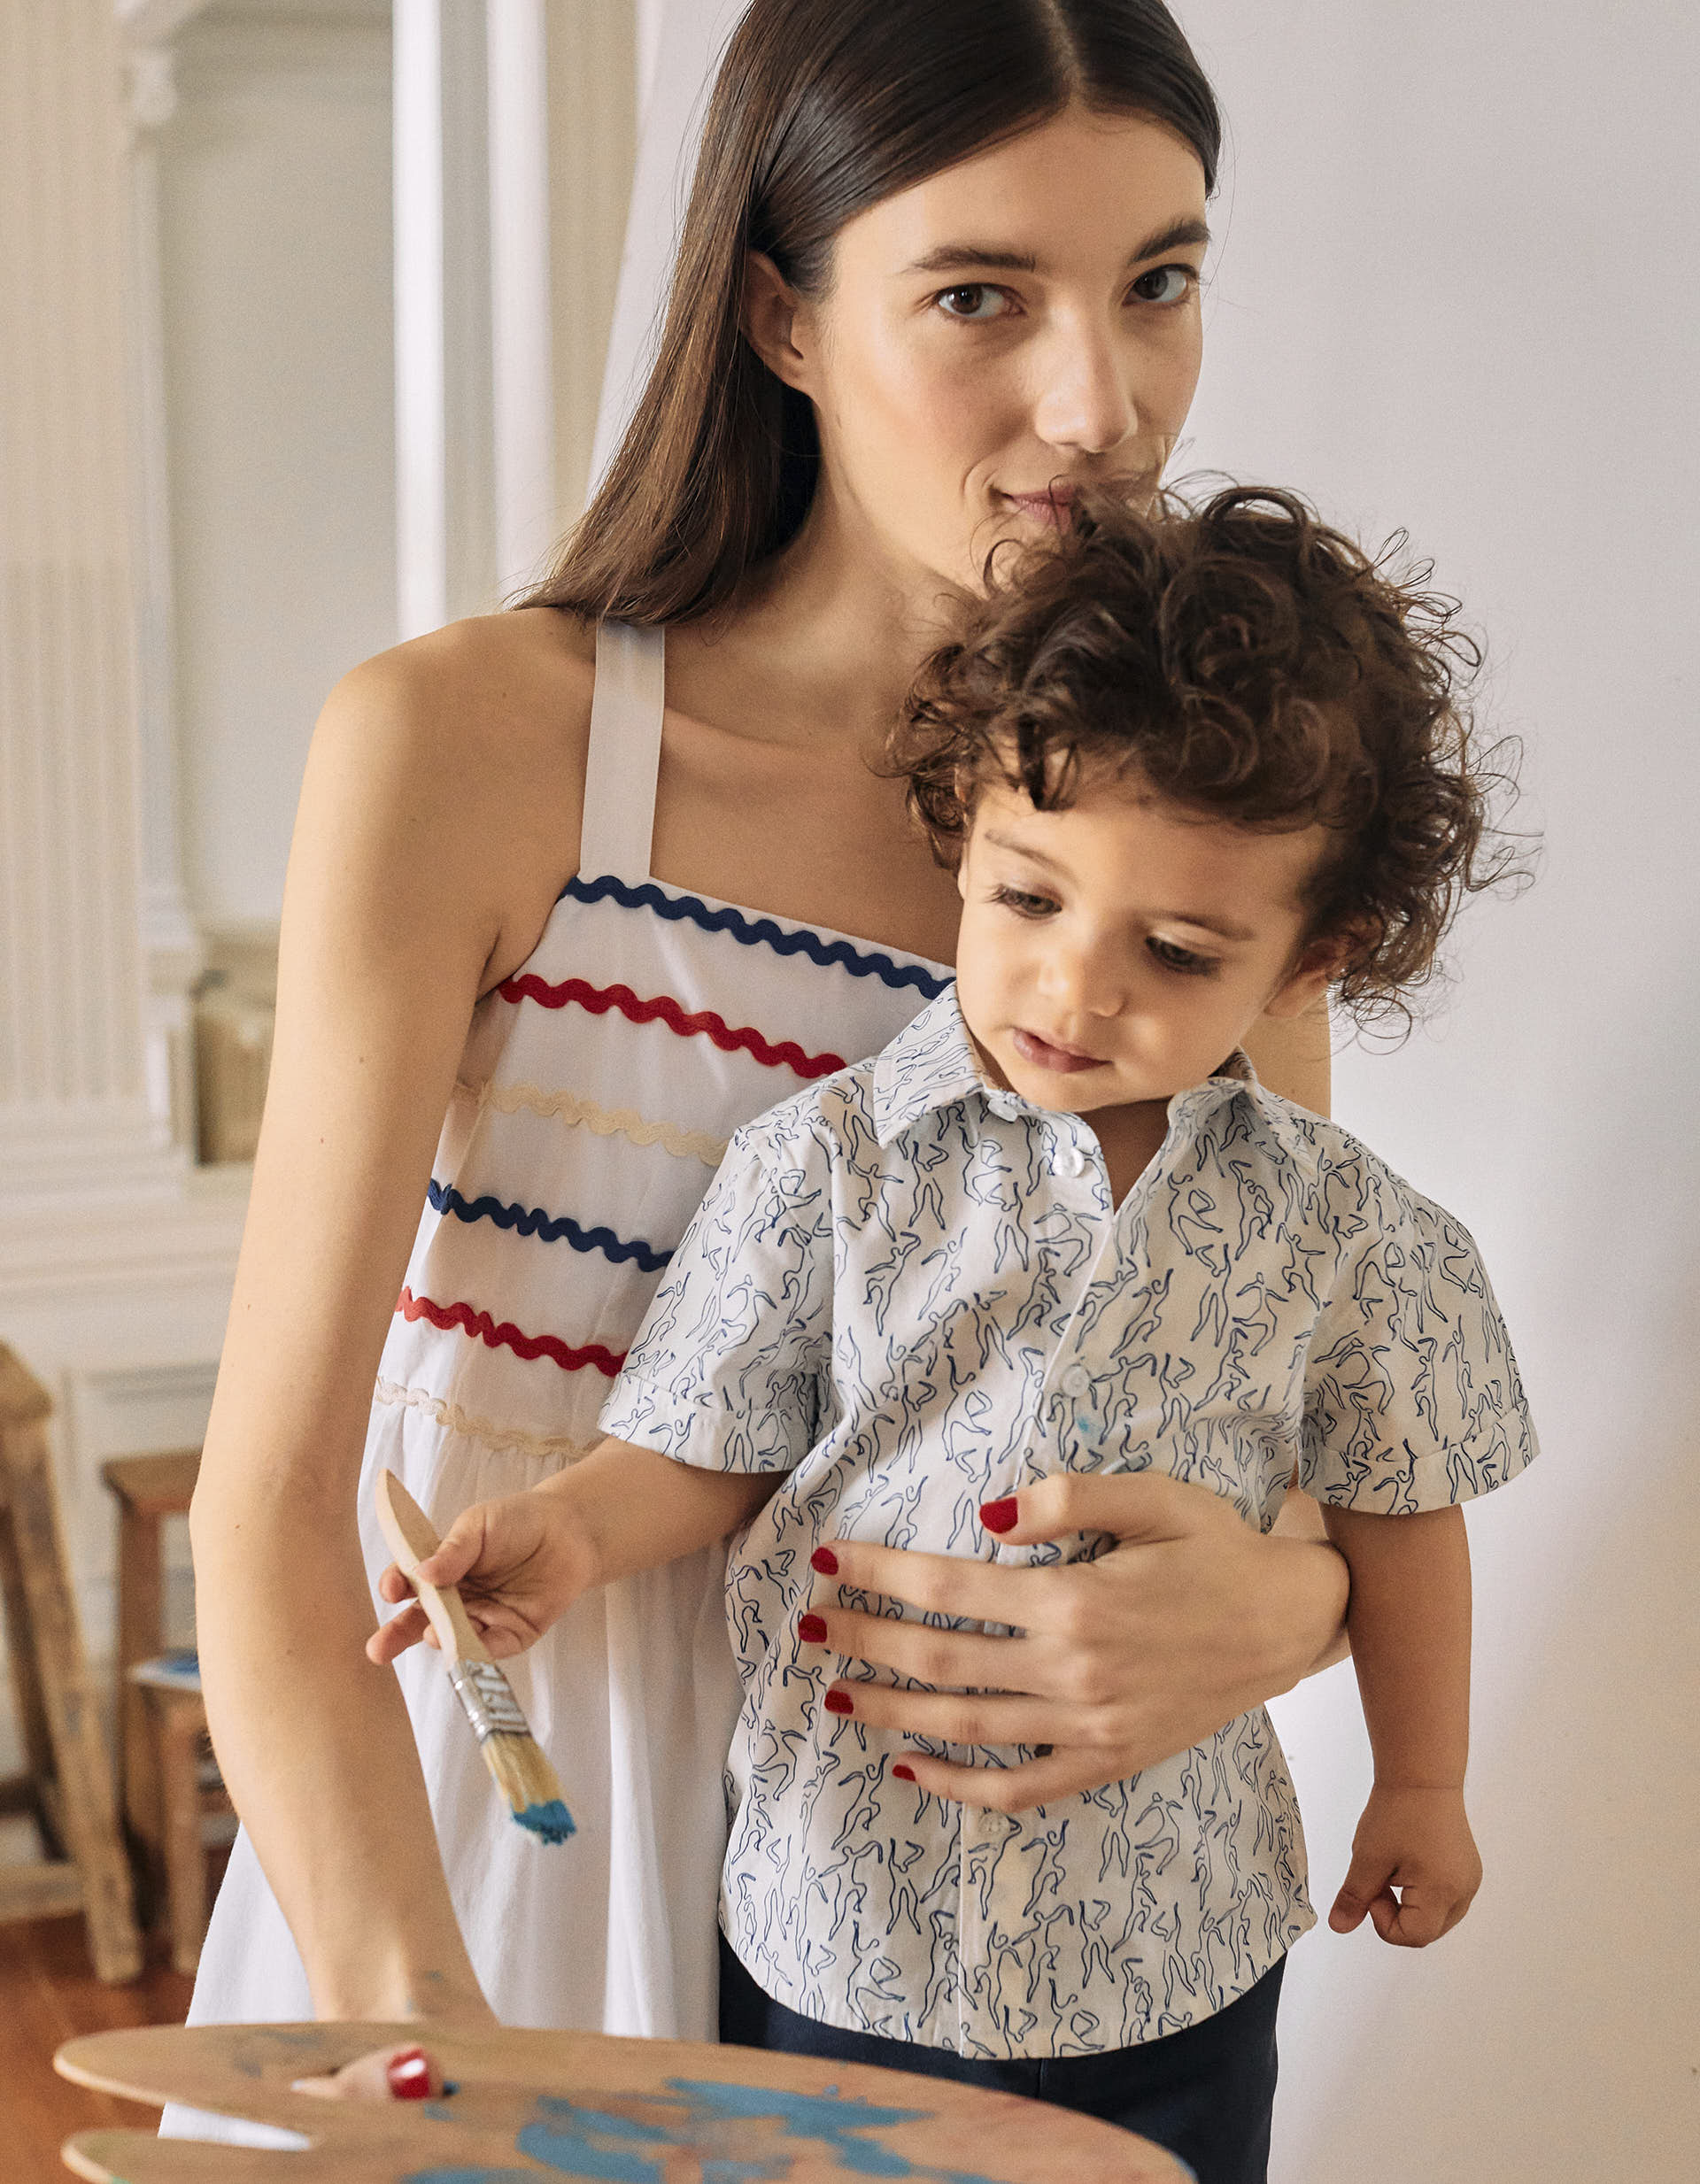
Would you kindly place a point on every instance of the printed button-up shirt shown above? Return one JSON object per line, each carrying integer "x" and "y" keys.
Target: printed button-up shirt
{"x": 909, "y": 1291}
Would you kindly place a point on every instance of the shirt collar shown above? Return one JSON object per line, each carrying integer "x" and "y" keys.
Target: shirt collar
{"x": 931, "y": 1064}
{"x": 1236, "y": 1079}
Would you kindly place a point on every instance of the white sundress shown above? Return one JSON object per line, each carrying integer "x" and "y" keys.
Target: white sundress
{"x": 598, "y": 1086}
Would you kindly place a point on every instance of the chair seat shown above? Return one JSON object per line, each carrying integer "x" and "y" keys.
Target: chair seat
{"x": 168, "y": 1672}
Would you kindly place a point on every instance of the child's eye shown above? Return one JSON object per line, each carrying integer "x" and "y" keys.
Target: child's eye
{"x": 1183, "y": 959}
{"x": 1166, "y": 284}
{"x": 1024, "y": 904}
{"x": 976, "y": 301}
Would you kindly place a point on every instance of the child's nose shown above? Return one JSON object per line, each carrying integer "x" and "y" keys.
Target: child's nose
{"x": 1088, "y": 980}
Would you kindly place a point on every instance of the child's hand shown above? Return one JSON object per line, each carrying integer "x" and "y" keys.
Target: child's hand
{"x": 520, "y": 1563}
{"x": 1418, "y": 1842}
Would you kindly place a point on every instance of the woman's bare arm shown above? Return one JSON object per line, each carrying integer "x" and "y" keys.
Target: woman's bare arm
{"x": 435, "y": 825}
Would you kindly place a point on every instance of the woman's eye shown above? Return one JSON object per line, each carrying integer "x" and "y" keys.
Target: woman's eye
{"x": 977, "y": 300}
{"x": 1165, "y": 284}
{"x": 1022, "y": 904}
{"x": 1185, "y": 960}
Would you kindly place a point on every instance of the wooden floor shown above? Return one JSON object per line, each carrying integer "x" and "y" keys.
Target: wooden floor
{"x": 49, "y": 1994}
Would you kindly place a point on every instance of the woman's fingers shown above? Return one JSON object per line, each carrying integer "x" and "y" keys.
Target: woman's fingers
{"x": 951, "y": 1584}
{"x": 1063, "y": 1772}
{"x": 1140, "y": 1505}
{"x": 962, "y": 1659}
{"x": 952, "y": 1716}
{"x": 405, "y": 2073}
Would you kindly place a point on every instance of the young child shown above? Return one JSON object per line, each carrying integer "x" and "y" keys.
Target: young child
{"x": 1192, "y": 770}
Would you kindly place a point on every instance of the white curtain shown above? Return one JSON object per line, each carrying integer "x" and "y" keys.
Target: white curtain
{"x": 685, "y": 38}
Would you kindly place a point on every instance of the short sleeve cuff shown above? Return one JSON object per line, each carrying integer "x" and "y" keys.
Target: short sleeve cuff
{"x": 1401, "y": 1480}
{"x": 701, "y": 1429}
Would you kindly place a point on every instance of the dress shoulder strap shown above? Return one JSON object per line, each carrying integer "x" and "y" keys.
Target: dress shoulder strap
{"x": 625, "y": 753}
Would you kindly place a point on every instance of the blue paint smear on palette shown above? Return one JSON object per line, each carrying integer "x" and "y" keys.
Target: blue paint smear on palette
{"x": 828, "y": 2120}
{"x": 601, "y": 2148}
{"x": 470, "y": 2176}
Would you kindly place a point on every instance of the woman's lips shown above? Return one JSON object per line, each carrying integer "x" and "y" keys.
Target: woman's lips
{"x": 1041, "y": 1054}
{"x": 1052, "y": 508}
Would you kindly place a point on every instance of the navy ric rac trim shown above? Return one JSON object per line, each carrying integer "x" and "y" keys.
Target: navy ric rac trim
{"x": 757, "y": 932}
{"x": 551, "y": 1229}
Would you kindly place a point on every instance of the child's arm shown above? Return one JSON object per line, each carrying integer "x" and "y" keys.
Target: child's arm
{"x": 522, "y": 1561}
{"x": 1409, "y": 1624}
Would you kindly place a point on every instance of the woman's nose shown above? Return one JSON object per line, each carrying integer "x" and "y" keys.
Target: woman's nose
{"x": 1086, "y": 403}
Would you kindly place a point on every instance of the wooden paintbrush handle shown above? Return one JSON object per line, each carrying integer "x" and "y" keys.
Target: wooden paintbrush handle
{"x": 411, "y": 1539}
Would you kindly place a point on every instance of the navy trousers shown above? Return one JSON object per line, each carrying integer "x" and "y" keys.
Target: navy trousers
{"x": 1206, "y": 2094}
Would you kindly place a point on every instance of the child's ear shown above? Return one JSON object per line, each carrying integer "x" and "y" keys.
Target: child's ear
{"x": 1320, "y": 962}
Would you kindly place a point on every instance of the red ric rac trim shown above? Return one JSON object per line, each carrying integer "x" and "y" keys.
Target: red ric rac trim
{"x": 664, "y": 1009}
{"x": 508, "y": 1337}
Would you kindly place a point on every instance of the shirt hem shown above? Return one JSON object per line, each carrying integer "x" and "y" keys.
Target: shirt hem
{"x": 1299, "y": 1920}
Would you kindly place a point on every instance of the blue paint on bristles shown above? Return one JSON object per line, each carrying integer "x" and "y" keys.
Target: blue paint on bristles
{"x": 551, "y": 1821}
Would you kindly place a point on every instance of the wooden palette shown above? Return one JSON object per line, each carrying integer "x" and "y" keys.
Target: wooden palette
{"x": 530, "y": 2105}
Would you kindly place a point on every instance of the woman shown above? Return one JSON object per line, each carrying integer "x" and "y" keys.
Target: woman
{"x": 941, "y": 265}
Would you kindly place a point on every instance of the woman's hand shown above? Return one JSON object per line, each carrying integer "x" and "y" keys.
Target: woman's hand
{"x": 519, "y": 1565}
{"x": 385, "y": 2074}
{"x": 1190, "y": 1620}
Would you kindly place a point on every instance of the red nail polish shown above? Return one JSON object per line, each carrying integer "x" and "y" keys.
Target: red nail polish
{"x": 904, "y": 1774}
{"x": 999, "y": 1516}
{"x": 812, "y": 1629}
{"x": 825, "y": 1561}
{"x": 840, "y": 1702}
{"x": 409, "y": 2075}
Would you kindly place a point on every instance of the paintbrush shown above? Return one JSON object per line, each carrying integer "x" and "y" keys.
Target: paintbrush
{"x": 511, "y": 1752}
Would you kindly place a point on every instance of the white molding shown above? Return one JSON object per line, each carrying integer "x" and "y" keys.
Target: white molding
{"x": 421, "y": 433}
{"x": 523, "y": 366}
{"x": 189, "y": 1232}
{"x": 593, "y": 70}
{"x": 152, "y": 22}
{"x": 650, "y": 17}
{"x": 266, "y": 57}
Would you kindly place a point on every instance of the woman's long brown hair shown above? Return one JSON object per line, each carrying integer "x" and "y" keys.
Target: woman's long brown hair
{"x": 822, "y": 108}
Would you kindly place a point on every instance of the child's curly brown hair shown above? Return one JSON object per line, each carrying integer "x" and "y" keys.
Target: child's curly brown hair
{"x": 1248, "y": 664}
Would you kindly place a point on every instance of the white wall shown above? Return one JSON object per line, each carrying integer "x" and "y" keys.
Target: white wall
{"x": 275, "y": 218}
{"x": 1455, "y": 293}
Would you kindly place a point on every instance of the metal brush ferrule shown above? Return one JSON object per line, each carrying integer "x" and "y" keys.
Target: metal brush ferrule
{"x": 488, "y": 1698}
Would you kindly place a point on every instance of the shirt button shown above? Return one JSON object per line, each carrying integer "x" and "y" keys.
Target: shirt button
{"x": 1072, "y": 1161}
{"x": 1077, "y": 1381}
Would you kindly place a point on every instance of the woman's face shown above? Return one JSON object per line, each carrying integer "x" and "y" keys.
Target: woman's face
{"x": 1023, "y": 323}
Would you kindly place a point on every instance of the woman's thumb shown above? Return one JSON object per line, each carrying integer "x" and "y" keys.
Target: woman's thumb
{"x": 1140, "y": 1505}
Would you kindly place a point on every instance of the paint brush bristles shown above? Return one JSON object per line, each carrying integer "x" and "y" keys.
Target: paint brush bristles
{"x": 511, "y": 1752}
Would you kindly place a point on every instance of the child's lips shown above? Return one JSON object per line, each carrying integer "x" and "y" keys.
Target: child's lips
{"x": 1042, "y": 1054}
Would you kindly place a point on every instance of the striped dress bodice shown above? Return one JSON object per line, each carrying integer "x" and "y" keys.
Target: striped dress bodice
{"x": 598, "y": 1087}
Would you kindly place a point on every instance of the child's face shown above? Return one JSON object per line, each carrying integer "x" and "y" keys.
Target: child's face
{"x": 1119, "y": 951}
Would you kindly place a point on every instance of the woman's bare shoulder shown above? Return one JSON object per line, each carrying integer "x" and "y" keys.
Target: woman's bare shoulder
{"x": 467, "y": 746}
{"x": 496, "y": 690}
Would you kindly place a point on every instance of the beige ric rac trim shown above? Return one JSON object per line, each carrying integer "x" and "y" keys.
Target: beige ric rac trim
{"x": 502, "y": 1438}
{"x": 607, "y": 1122}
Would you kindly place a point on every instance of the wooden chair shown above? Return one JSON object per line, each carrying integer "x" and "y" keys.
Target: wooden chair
{"x": 67, "y": 1785}
{"x": 169, "y": 1780}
